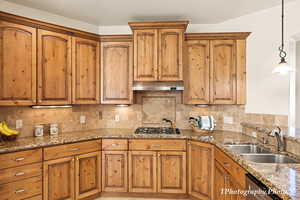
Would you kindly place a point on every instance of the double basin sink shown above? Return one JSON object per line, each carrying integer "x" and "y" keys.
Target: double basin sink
{"x": 255, "y": 153}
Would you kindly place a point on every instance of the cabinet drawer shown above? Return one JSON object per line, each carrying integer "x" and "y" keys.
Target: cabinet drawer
{"x": 159, "y": 145}
{"x": 21, "y": 189}
{"x": 114, "y": 144}
{"x": 71, "y": 149}
{"x": 39, "y": 197}
{"x": 20, "y": 158}
{"x": 234, "y": 169}
{"x": 18, "y": 173}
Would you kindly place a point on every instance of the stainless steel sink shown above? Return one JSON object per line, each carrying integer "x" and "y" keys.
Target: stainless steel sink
{"x": 246, "y": 148}
{"x": 269, "y": 158}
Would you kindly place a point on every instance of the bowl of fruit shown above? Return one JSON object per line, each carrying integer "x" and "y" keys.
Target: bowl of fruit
{"x": 7, "y": 134}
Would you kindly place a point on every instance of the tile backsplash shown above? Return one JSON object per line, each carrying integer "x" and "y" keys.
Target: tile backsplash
{"x": 148, "y": 110}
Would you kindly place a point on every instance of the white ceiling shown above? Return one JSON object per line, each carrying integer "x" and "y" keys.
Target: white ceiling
{"x": 120, "y": 12}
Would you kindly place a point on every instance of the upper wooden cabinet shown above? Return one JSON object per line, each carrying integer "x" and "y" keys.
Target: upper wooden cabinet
{"x": 215, "y": 68}
{"x": 17, "y": 64}
{"x": 116, "y": 72}
{"x": 54, "y": 68}
{"x": 85, "y": 71}
{"x": 158, "y": 50}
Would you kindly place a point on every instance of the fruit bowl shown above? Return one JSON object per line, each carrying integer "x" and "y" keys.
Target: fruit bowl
{"x": 8, "y": 138}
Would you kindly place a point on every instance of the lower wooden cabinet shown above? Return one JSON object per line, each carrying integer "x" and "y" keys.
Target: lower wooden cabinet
{"x": 88, "y": 175}
{"x": 114, "y": 171}
{"x": 72, "y": 177}
{"x": 201, "y": 163}
{"x": 171, "y": 172}
{"x": 142, "y": 171}
{"x": 220, "y": 177}
{"x": 59, "y": 179}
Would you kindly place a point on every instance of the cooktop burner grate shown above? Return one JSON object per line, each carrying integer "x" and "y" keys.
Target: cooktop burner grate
{"x": 157, "y": 130}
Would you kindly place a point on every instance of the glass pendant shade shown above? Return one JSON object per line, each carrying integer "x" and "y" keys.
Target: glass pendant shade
{"x": 283, "y": 68}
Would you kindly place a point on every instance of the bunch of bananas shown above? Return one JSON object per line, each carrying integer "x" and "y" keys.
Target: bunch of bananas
{"x": 4, "y": 130}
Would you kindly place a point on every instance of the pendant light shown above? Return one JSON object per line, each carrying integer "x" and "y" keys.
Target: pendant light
{"x": 283, "y": 67}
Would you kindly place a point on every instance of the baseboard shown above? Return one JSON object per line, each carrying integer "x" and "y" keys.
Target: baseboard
{"x": 144, "y": 195}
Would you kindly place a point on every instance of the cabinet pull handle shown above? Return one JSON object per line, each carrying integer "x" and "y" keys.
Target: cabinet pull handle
{"x": 20, "y": 174}
{"x": 19, "y": 159}
{"x": 19, "y": 191}
{"x": 226, "y": 164}
{"x": 114, "y": 145}
{"x": 74, "y": 149}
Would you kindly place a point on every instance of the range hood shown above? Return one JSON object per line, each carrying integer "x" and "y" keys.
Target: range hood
{"x": 158, "y": 86}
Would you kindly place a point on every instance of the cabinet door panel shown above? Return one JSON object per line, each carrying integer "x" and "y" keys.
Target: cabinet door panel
{"x": 114, "y": 170}
{"x": 54, "y": 68}
{"x": 172, "y": 172}
{"x": 197, "y": 72}
{"x": 88, "y": 174}
{"x": 223, "y": 71}
{"x": 200, "y": 170}
{"x": 145, "y": 55}
{"x": 59, "y": 179}
{"x": 17, "y": 64}
{"x": 85, "y": 71}
{"x": 116, "y": 73}
{"x": 220, "y": 177}
{"x": 142, "y": 171}
{"x": 170, "y": 54}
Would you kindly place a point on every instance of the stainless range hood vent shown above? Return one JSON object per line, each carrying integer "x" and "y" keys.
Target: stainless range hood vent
{"x": 158, "y": 86}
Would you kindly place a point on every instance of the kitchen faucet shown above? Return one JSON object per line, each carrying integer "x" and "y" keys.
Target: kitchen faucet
{"x": 279, "y": 137}
{"x": 168, "y": 121}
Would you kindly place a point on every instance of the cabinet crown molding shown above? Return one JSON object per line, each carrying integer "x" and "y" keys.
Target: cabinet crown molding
{"x": 116, "y": 38}
{"x": 158, "y": 25}
{"x": 217, "y": 36}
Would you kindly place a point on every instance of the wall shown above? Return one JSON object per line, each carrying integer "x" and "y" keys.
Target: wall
{"x": 297, "y": 86}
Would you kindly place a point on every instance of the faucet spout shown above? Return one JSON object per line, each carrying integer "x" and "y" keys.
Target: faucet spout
{"x": 279, "y": 137}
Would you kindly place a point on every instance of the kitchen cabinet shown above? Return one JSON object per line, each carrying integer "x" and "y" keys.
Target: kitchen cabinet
{"x": 170, "y": 48}
{"x": 201, "y": 170}
{"x": 116, "y": 72}
{"x": 158, "y": 50}
{"x": 85, "y": 71}
{"x": 171, "y": 172}
{"x": 196, "y": 72}
{"x": 54, "y": 68}
{"x": 17, "y": 64}
{"x": 145, "y": 55}
{"x": 220, "y": 183}
{"x": 114, "y": 171}
{"x": 87, "y": 175}
{"x": 142, "y": 171}
{"x": 215, "y": 68}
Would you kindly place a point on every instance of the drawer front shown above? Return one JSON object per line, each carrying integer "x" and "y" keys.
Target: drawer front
{"x": 234, "y": 169}
{"x": 114, "y": 144}
{"x": 18, "y": 173}
{"x": 66, "y": 150}
{"x": 20, "y": 158}
{"x": 39, "y": 197}
{"x": 21, "y": 189}
{"x": 158, "y": 145}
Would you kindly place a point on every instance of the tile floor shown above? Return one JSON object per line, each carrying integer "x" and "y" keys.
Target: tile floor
{"x": 116, "y": 198}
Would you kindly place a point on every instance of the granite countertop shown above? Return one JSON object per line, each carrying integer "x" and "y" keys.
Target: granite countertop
{"x": 278, "y": 177}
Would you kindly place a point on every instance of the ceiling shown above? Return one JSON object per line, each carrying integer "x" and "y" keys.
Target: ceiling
{"x": 120, "y": 12}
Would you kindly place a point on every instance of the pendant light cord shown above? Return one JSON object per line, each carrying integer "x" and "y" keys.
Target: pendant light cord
{"x": 282, "y": 53}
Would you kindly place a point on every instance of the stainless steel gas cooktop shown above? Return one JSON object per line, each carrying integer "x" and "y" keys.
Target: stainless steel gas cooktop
{"x": 157, "y": 130}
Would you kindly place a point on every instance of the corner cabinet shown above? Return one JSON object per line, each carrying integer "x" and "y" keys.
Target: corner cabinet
{"x": 116, "y": 71}
{"x": 215, "y": 68}
{"x": 17, "y": 64}
{"x": 158, "y": 50}
{"x": 85, "y": 71}
{"x": 54, "y": 68}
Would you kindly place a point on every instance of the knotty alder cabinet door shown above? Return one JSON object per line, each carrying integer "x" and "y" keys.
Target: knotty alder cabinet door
{"x": 142, "y": 171}
{"x": 116, "y": 73}
{"x": 200, "y": 162}
{"x": 171, "y": 172}
{"x": 145, "y": 55}
{"x": 170, "y": 48}
{"x": 85, "y": 71}
{"x": 54, "y": 68}
{"x": 114, "y": 171}
{"x": 17, "y": 64}
{"x": 196, "y": 72}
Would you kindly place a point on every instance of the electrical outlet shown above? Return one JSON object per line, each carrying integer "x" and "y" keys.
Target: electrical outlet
{"x": 117, "y": 118}
{"x": 228, "y": 120}
{"x": 82, "y": 119}
{"x": 19, "y": 124}
{"x": 254, "y": 134}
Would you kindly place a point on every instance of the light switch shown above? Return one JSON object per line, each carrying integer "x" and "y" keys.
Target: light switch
{"x": 228, "y": 120}
{"x": 82, "y": 119}
{"x": 117, "y": 118}
{"x": 19, "y": 124}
